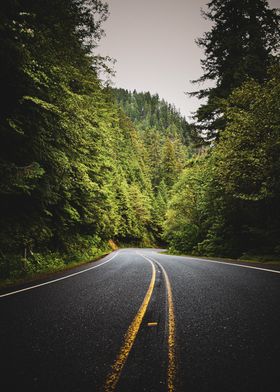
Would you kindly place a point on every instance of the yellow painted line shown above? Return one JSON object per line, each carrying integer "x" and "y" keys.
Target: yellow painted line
{"x": 152, "y": 324}
{"x": 129, "y": 338}
{"x": 171, "y": 371}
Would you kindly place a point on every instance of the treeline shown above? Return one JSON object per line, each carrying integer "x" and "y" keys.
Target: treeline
{"x": 82, "y": 163}
{"x": 166, "y": 135}
{"x": 149, "y": 112}
{"x": 227, "y": 201}
{"x": 75, "y": 171}
{"x": 168, "y": 141}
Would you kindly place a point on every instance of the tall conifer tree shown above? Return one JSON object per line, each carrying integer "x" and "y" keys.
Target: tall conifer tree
{"x": 241, "y": 44}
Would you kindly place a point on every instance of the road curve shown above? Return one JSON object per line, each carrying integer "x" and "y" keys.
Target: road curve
{"x": 139, "y": 320}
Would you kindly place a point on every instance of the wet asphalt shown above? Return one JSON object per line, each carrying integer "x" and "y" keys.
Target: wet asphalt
{"x": 66, "y": 335}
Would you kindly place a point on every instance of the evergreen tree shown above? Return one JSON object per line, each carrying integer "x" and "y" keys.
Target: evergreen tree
{"x": 167, "y": 142}
{"x": 241, "y": 44}
{"x": 170, "y": 167}
{"x": 226, "y": 202}
{"x": 73, "y": 168}
{"x": 149, "y": 111}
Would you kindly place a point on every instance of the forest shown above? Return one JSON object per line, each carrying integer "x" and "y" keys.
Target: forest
{"x": 86, "y": 167}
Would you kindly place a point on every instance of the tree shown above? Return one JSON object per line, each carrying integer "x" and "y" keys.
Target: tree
{"x": 150, "y": 112}
{"x": 226, "y": 203}
{"x": 186, "y": 213}
{"x": 240, "y": 45}
{"x": 159, "y": 208}
{"x": 72, "y": 165}
{"x": 247, "y": 163}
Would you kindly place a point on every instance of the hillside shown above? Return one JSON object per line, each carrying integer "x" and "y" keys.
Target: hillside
{"x": 148, "y": 111}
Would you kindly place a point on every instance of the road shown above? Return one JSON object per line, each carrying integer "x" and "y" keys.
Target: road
{"x": 139, "y": 320}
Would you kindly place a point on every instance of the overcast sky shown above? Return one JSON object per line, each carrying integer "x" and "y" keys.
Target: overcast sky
{"x": 153, "y": 42}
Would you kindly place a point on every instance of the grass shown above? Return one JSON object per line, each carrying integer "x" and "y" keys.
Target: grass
{"x": 48, "y": 269}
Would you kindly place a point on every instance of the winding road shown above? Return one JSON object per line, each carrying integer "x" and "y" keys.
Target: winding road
{"x": 141, "y": 320}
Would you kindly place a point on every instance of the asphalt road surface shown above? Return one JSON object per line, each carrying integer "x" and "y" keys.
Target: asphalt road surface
{"x": 139, "y": 320}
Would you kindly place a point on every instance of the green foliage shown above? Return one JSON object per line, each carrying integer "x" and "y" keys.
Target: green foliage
{"x": 82, "y": 164}
{"x": 149, "y": 112}
{"x": 20, "y": 267}
{"x": 166, "y": 141}
{"x": 159, "y": 208}
{"x": 186, "y": 215}
{"x": 73, "y": 166}
{"x": 248, "y": 152}
{"x": 227, "y": 202}
{"x": 241, "y": 44}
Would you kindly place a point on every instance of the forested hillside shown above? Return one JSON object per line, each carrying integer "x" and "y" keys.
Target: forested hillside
{"x": 148, "y": 112}
{"x": 82, "y": 163}
{"x": 167, "y": 141}
{"x": 75, "y": 171}
{"x": 167, "y": 137}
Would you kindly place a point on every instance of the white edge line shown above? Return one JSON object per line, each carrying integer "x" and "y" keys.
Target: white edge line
{"x": 56, "y": 280}
{"x": 222, "y": 262}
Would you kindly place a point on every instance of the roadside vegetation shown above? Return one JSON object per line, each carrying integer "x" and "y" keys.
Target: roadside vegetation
{"x": 227, "y": 200}
{"x": 75, "y": 171}
{"x": 82, "y": 164}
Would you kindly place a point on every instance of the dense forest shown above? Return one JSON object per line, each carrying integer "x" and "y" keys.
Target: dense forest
{"x": 149, "y": 112}
{"x": 227, "y": 200}
{"x": 168, "y": 139}
{"x": 84, "y": 165}
{"x": 76, "y": 172}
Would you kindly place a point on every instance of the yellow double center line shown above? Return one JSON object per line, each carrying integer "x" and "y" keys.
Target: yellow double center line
{"x": 133, "y": 329}
{"x": 129, "y": 339}
{"x": 171, "y": 371}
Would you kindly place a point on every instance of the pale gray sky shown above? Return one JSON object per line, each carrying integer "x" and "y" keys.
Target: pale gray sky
{"x": 153, "y": 42}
